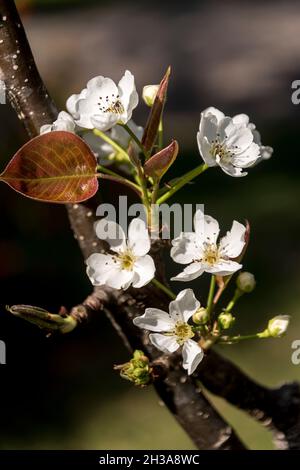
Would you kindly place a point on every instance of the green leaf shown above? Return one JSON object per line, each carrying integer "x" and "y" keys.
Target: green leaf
{"x": 54, "y": 167}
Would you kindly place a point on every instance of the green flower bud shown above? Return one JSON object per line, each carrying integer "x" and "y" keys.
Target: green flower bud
{"x": 226, "y": 320}
{"x": 137, "y": 370}
{"x": 50, "y": 322}
{"x": 149, "y": 94}
{"x": 201, "y": 316}
{"x": 246, "y": 282}
{"x": 278, "y": 325}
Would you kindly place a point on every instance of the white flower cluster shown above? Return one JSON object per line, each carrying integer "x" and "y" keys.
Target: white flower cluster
{"x": 130, "y": 264}
{"x": 232, "y": 143}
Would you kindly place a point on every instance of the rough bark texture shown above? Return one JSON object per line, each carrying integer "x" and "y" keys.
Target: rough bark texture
{"x": 279, "y": 408}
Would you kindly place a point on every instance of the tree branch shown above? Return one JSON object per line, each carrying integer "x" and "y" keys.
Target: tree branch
{"x": 278, "y": 409}
{"x": 180, "y": 393}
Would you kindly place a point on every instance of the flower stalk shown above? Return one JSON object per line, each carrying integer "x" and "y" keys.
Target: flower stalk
{"x": 189, "y": 176}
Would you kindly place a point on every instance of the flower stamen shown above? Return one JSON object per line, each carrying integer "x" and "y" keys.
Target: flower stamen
{"x": 112, "y": 105}
{"x": 127, "y": 260}
{"x": 183, "y": 332}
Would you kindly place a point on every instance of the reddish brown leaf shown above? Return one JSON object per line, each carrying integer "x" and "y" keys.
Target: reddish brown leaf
{"x": 54, "y": 167}
{"x": 150, "y": 132}
{"x": 157, "y": 165}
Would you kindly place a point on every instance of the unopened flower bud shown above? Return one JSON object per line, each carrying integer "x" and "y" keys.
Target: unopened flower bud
{"x": 201, "y": 316}
{"x": 137, "y": 370}
{"x": 246, "y": 282}
{"x": 149, "y": 94}
{"x": 277, "y": 326}
{"x": 226, "y": 320}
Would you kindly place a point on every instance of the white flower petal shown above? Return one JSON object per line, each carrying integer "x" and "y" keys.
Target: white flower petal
{"x": 231, "y": 170}
{"x": 223, "y": 267}
{"x": 112, "y": 233}
{"x": 72, "y": 103}
{"x": 144, "y": 270}
{"x": 104, "y": 270}
{"x": 104, "y": 86}
{"x": 266, "y": 152}
{"x": 167, "y": 344}
{"x": 234, "y": 241}
{"x": 247, "y": 158}
{"x": 119, "y": 278}
{"x": 184, "y": 306}
{"x": 45, "y": 128}
{"x": 213, "y": 112}
{"x": 241, "y": 119}
{"x": 206, "y": 227}
{"x": 204, "y": 147}
{"x": 192, "y": 355}
{"x": 104, "y": 122}
{"x": 98, "y": 268}
{"x": 155, "y": 319}
{"x": 208, "y": 126}
{"x": 64, "y": 122}
{"x": 226, "y": 129}
{"x": 190, "y": 273}
{"x": 138, "y": 237}
{"x": 185, "y": 248}
{"x": 128, "y": 96}
{"x": 241, "y": 138}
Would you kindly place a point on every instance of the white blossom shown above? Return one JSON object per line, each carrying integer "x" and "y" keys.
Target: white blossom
{"x": 103, "y": 104}
{"x": 278, "y": 325}
{"x": 149, "y": 94}
{"x": 129, "y": 263}
{"x": 232, "y": 143}
{"x": 64, "y": 122}
{"x": 171, "y": 330}
{"x": 201, "y": 251}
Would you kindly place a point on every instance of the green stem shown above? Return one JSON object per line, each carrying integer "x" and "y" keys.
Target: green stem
{"x": 111, "y": 142}
{"x": 160, "y": 134}
{"x": 237, "y": 339}
{"x": 121, "y": 180}
{"x": 154, "y": 192}
{"x": 107, "y": 171}
{"x": 136, "y": 140}
{"x": 163, "y": 288}
{"x": 210, "y": 297}
{"x": 238, "y": 293}
{"x": 143, "y": 186}
{"x": 190, "y": 175}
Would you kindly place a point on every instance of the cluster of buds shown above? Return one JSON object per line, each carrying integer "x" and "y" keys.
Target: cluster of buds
{"x": 137, "y": 370}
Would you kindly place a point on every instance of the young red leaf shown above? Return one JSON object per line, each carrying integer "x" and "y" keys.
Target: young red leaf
{"x": 150, "y": 132}
{"x": 54, "y": 167}
{"x": 157, "y": 165}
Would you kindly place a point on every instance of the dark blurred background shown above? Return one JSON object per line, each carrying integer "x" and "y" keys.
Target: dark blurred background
{"x": 239, "y": 56}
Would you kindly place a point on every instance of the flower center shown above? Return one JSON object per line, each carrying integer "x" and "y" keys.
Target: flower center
{"x": 183, "y": 331}
{"x": 219, "y": 149}
{"x": 127, "y": 260}
{"x": 110, "y": 104}
{"x": 211, "y": 254}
